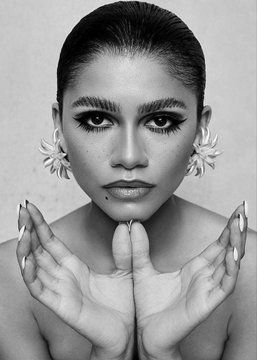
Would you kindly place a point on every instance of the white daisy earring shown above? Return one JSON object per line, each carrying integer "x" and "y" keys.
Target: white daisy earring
{"x": 204, "y": 153}
{"x": 55, "y": 157}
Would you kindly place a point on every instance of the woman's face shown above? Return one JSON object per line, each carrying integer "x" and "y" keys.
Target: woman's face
{"x": 126, "y": 119}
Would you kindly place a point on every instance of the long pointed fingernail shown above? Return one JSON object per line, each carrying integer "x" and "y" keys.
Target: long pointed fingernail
{"x": 21, "y": 232}
{"x": 240, "y": 222}
{"x": 18, "y": 209}
{"x": 245, "y": 208}
{"x": 23, "y": 263}
{"x": 235, "y": 253}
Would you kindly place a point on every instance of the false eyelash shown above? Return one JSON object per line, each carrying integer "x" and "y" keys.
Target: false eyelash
{"x": 172, "y": 128}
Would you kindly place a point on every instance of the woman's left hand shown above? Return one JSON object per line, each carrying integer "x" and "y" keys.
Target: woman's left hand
{"x": 170, "y": 305}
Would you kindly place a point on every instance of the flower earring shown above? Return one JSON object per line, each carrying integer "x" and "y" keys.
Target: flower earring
{"x": 204, "y": 153}
{"x": 55, "y": 157}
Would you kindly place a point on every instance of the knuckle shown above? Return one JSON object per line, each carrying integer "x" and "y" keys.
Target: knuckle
{"x": 50, "y": 237}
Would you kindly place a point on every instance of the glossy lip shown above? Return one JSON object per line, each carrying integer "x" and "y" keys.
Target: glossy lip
{"x": 129, "y": 183}
{"x": 128, "y": 193}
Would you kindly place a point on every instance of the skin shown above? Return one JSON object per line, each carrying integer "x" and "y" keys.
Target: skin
{"x": 129, "y": 148}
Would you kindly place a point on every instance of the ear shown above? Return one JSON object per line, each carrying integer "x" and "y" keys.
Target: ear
{"x": 56, "y": 115}
{"x": 204, "y": 121}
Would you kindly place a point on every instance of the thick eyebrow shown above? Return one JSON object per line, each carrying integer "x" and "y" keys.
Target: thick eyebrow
{"x": 105, "y": 104}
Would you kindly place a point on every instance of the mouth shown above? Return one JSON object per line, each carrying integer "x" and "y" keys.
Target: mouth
{"x": 129, "y": 184}
{"x": 128, "y": 193}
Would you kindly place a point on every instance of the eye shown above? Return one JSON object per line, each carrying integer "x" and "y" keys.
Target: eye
{"x": 91, "y": 121}
{"x": 165, "y": 123}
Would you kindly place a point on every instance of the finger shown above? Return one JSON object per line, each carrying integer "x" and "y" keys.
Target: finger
{"x": 213, "y": 250}
{"x": 236, "y": 237}
{"x": 45, "y": 261}
{"x": 121, "y": 248}
{"x": 50, "y": 282}
{"x": 219, "y": 258}
{"x": 41, "y": 257}
{"x": 48, "y": 240}
{"x": 25, "y": 219}
{"x": 37, "y": 287}
{"x": 239, "y": 209}
{"x": 24, "y": 244}
{"x": 243, "y": 225}
{"x": 219, "y": 268}
{"x": 228, "y": 280}
{"x": 140, "y": 249}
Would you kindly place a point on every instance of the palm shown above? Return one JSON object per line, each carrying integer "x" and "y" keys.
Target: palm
{"x": 95, "y": 304}
{"x": 98, "y": 306}
{"x": 170, "y": 305}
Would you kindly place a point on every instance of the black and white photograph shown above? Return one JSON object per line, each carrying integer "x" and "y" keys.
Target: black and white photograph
{"x": 128, "y": 180}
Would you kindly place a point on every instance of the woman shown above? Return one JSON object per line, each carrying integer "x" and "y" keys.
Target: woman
{"x": 138, "y": 272}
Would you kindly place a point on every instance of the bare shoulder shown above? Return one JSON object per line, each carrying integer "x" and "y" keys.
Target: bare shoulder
{"x": 14, "y": 296}
{"x": 208, "y": 225}
{"x": 243, "y": 320}
{"x": 10, "y": 276}
{"x": 241, "y": 343}
{"x": 19, "y": 333}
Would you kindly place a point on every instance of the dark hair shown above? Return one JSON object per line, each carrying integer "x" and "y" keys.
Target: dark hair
{"x": 130, "y": 28}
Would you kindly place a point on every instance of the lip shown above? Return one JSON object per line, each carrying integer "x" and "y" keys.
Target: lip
{"x": 128, "y": 193}
{"x": 129, "y": 184}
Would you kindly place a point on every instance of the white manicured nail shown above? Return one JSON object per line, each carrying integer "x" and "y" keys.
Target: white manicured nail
{"x": 23, "y": 263}
{"x": 246, "y": 208}
{"x": 18, "y": 209}
{"x": 241, "y": 222}
{"x": 21, "y": 232}
{"x": 235, "y": 253}
{"x": 129, "y": 223}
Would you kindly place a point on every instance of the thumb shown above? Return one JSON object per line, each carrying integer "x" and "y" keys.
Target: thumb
{"x": 140, "y": 248}
{"x": 121, "y": 248}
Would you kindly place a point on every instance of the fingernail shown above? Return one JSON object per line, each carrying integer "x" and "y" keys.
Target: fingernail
{"x": 21, "y": 232}
{"x": 18, "y": 209}
{"x": 245, "y": 208}
{"x": 23, "y": 263}
{"x": 25, "y": 203}
{"x": 129, "y": 223}
{"x": 240, "y": 222}
{"x": 235, "y": 253}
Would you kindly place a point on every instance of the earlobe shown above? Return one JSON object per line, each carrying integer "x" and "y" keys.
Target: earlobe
{"x": 56, "y": 116}
{"x": 204, "y": 121}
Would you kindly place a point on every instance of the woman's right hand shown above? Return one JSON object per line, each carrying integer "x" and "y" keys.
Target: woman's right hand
{"x": 98, "y": 306}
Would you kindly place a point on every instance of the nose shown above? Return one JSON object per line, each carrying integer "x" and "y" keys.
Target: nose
{"x": 129, "y": 150}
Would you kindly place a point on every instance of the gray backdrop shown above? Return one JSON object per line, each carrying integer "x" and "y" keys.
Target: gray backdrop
{"x": 32, "y": 33}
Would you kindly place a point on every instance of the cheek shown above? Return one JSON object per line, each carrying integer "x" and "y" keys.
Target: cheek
{"x": 172, "y": 160}
{"x": 86, "y": 160}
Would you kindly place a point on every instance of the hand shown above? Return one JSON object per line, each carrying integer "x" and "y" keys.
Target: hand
{"x": 170, "y": 305}
{"x": 98, "y": 306}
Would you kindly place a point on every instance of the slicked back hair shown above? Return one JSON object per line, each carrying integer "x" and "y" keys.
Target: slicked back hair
{"x": 129, "y": 28}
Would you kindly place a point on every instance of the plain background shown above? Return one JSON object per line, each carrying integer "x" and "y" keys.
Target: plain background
{"x": 32, "y": 33}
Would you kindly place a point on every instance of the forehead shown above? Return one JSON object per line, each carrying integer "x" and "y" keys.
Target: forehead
{"x": 128, "y": 81}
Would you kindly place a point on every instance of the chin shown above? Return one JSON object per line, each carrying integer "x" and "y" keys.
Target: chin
{"x": 126, "y": 211}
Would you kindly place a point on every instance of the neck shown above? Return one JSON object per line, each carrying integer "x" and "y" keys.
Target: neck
{"x": 162, "y": 227}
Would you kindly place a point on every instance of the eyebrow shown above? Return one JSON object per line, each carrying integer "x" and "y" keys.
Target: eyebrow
{"x": 105, "y": 104}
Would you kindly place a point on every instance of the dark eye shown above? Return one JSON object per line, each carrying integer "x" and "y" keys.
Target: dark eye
{"x": 96, "y": 119}
{"x": 161, "y": 121}
{"x": 91, "y": 121}
{"x": 164, "y": 123}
